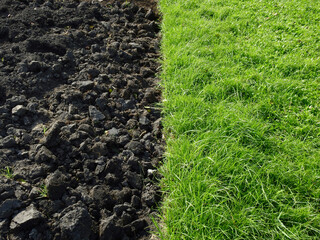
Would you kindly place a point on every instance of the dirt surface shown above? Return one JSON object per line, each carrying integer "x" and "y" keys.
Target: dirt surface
{"x": 146, "y": 4}
{"x": 80, "y": 133}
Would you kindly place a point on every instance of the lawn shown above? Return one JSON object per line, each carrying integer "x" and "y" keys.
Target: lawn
{"x": 241, "y": 112}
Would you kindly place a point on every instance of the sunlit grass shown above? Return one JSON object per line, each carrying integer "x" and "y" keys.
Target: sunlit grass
{"x": 241, "y": 88}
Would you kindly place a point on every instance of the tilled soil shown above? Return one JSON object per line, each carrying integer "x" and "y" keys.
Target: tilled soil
{"x": 80, "y": 133}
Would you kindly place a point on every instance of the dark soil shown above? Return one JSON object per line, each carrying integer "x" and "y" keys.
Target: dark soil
{"x": 80, "y": 133}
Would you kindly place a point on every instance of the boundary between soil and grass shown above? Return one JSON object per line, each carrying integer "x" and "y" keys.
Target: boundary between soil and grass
{"x": 241, "y": 119}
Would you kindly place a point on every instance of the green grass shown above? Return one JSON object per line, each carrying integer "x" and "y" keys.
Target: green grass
{"x": 241, "y": 116}
{"x": 7, "y": 172}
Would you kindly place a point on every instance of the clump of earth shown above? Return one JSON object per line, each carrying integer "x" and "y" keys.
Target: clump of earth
{"x": 80, "y": 130}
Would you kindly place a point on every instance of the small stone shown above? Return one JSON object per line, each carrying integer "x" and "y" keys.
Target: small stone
{"x": 56, "y": 185}
{"x": 113, "y": 132}
{"x": 26, "y": 219}
{"x": 95, "y": 114}
{"x": 19, "y": 110}
{"x": 151, "y": 172}
{"x": 143, "y": 120}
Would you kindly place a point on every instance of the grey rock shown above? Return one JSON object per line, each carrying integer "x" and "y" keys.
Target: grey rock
{"x": 8, "y": 206}
{"x": 95, "y": 114}
{"x": 113, "y": 132}
{"x": 56, "y": 185}
{"x": 128, "y": 104}
{"x": 76, "y": 224}
{"x": 26, "y": 219}
{"x": 99, "y": 169}
{"x": 143, "y": 120}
